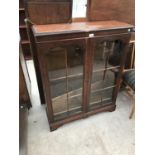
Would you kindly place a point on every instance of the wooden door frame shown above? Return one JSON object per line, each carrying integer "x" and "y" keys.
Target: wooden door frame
{"x": 43, "y": 49}
{"x": 124, "y": 38}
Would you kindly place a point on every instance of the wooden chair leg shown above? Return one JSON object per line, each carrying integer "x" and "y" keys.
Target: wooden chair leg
{"x": 132, "y": 111}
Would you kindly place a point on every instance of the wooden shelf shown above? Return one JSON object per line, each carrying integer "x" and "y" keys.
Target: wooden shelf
{"x": 28, "y": 58}
{"x": 132, "y": 41}
{"x": 98, "y": 84}
{"x": 75, "y": 72}
{"x": 22, "y": 26}
{"x": 21, "y": 9}
{"x": 25, "y": 42}
{"x": 75, "y": 95}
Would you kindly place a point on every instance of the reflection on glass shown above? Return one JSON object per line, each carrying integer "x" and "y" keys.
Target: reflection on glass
{"x": 65, "y": 67}
{"x": 106, "y": 55}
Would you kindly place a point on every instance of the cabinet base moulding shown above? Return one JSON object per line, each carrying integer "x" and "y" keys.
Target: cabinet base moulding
{"x": 82, "y": 115}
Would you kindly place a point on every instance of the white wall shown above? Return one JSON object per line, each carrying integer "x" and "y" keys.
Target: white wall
{"x": 79, "y": 8}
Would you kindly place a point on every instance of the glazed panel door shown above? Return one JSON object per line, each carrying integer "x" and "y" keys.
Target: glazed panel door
{"x": 108, "y": 56}
{"x": 65, "y": 71}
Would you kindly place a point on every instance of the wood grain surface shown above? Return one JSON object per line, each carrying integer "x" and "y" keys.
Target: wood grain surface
{"x": 79, "y": 27}
{"x": 122, "y": 10}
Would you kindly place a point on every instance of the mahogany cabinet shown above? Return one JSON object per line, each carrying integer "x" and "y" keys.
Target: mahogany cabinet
{"x": 81, "y": 66}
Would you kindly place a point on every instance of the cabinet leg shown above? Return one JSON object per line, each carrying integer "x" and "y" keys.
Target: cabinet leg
{"x": 54, "y": 127}
{"x": 112, "y": 109}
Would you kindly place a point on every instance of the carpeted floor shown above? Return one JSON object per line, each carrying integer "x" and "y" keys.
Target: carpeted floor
{"x": 108, "y": 133}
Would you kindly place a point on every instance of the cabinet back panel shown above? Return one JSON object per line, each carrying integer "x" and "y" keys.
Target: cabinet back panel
{"x": 121, "y": 10}
{"x": 49, "y": 12}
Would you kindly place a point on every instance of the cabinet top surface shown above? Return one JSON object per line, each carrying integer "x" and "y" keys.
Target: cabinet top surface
{"x": 51, "y": 29}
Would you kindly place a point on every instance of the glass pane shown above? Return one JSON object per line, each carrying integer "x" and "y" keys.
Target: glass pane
{"x": 65, "y": 67}
{"x": 106, "y": 61}
{"x": 106, "y": 55}
{"x": 57, "y": 78}
{"x": 101, "y": 97}
{"x": 75, "y": 77}
{"x": 103, "y": 79}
